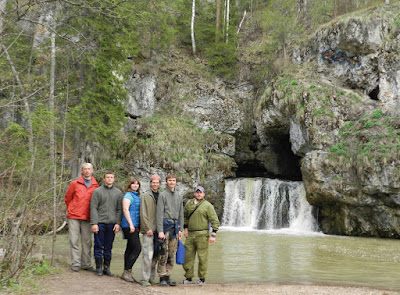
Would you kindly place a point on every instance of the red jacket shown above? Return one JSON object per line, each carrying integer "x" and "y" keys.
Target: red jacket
{"x": 78, "y": 198}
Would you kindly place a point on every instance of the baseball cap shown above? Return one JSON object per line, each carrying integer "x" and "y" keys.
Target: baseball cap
{"x": 199, "y": 188}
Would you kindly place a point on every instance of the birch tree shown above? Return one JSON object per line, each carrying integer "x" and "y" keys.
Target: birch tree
{"x": 218, "y": 21}
{"x": 192, "y": 27}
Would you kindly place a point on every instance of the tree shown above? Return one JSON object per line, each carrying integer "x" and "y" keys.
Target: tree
{"x": 192, "y": 27}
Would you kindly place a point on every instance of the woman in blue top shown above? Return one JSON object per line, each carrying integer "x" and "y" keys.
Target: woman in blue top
{"x": 130, "y": 226}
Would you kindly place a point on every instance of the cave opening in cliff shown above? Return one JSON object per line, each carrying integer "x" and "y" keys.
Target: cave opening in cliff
{"x": 274, "y": 160}
{"x": 289, "y": 162}
{"x": 374, "y": 94}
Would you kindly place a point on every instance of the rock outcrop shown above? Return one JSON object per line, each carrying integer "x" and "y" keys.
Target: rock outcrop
{"x": 341, "y": 113}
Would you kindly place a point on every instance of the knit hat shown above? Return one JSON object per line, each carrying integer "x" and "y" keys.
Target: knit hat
{"x": 155, "y": 177}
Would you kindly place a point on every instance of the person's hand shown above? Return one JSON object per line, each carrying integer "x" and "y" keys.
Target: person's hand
{"x": 179, "y": 235}
{"x": 116, "y": 228}
{"x": 186, "y": 232}
{"x": 161, "y": 235}
{"x": 95, "y": 228}
{"x": 131, "y": 229}
{"x": 211, "y": 239}
{"x": 149, "y": 233}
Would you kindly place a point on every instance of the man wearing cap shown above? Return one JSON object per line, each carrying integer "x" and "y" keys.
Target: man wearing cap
{"x": 198, "y": 215}
{"x": 148, "y": 228}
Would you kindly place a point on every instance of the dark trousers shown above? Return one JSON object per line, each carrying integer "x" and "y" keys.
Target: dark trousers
{"x": 133, "y": 247}
{"x": 103, "y": 241}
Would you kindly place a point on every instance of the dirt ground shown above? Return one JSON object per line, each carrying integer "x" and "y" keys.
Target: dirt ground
{"x": 87, "y": 283}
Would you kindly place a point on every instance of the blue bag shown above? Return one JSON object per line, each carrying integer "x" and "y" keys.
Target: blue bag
{"x": 180, "y": 253}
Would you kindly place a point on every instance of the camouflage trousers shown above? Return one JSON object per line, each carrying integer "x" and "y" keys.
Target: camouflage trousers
{"x": 167, "y": 255}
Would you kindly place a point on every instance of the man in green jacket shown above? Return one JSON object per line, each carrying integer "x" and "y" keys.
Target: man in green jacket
{"x": 148, "y": 228}
{"x": 105, "y": 217}
{"x": 198, "y": 215}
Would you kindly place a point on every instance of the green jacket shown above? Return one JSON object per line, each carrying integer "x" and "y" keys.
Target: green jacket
{"x": 106, "y": 205}
{"x": 148, "y": 207}
{"x": 169, "y": 206}
{"x": 201, "y": 218}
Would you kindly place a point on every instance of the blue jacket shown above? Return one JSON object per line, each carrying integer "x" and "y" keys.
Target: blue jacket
{"x": 134, "y": 209}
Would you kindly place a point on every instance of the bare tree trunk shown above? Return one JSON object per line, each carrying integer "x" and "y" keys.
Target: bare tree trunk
{"x": 3, "y": 4}
{"x": 218, "y": 21}
{"x": 192, "y": 27}
{"x": 52, "y": 141}
{"x": 64, "y": 131}
{"x": 227, "y": 20}
{"x": 241, "y": 22}
{"x": 224, "y": 27}
{"x": 24, "y": 99}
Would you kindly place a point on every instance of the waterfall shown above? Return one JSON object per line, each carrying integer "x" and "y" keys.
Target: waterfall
{"x": 262, "y": 203}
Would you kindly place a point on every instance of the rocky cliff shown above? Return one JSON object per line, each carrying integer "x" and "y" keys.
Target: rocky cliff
{"x": 340, "y": 108}
{"x": 331, "y": 120}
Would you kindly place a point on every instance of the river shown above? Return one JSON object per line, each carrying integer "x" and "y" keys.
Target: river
{"x": 249, "y": 256}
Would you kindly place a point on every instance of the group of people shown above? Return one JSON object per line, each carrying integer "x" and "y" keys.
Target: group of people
{"x": 159, "y": 216}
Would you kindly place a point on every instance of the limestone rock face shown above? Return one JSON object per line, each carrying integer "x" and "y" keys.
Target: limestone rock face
{"x": 359, "y": 53}
{"x": 341, "y": 113}
{"x": 141, "y": 99}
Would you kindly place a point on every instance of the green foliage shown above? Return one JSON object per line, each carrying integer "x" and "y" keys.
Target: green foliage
{"x": 377, "y": 138}
{"x": 377, "y": 114}
{"x": 218, "y": 47}
{"x": 340, "y": 148}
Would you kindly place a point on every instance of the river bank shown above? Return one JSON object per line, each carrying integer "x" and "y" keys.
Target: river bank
{"x": 83, "y": 282}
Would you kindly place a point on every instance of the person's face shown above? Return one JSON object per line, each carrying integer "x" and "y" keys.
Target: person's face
{"x": 199, "y": 195}
{"x": 155, "y": 185}
{"x": 108, "y": 179}
{"x": 135, "y": 186}
{"x": 171, "y": 183}
{"x": 87, "y": 171}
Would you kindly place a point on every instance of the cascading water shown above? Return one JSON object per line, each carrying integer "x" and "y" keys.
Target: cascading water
{"x": 262, "y": 203}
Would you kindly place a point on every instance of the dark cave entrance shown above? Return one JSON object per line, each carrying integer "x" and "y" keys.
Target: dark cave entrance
{"x": 374, "y": 94}
{"x": 275, "y": 160}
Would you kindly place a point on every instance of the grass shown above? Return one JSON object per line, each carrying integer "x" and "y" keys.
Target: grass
{"x": 27, "y": 283}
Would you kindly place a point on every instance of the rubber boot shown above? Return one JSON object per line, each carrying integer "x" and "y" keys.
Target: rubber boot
{"x": 170, "y": 283}
{"x": 99, "y": 266}
{"x": 163, "y": 281}
{"x": 106, "y": 269}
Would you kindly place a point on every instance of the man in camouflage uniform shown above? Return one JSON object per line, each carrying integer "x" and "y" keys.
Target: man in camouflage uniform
{"x": 198, "y": 214}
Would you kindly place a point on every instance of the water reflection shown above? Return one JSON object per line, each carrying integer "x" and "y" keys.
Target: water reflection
{"x": 276, "y": 257}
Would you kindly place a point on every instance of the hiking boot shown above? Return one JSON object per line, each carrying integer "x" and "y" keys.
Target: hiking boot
{"x": 99, "y": 266}
{"x": 201, "y": 282}
{"x": 164, "y": 281}
{"x": 106, "y": 267}
{"x": 171, "y": 283}
{"x": 145, "y": 283}
{"x": 75, "y": 268}
{"x": 187, "y": 281}
{"x": 89, "y": 269}
{"x": 127, "y": 276}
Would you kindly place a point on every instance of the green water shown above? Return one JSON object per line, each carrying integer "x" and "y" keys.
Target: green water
{"x": 276, "y": 257}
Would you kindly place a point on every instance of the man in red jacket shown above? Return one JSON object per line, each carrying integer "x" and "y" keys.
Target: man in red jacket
{"x": 77, "y": 199}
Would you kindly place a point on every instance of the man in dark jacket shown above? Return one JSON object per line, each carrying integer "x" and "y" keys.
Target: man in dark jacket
{"x": 106, "y": 214}
{"x": 77, "y": 199}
